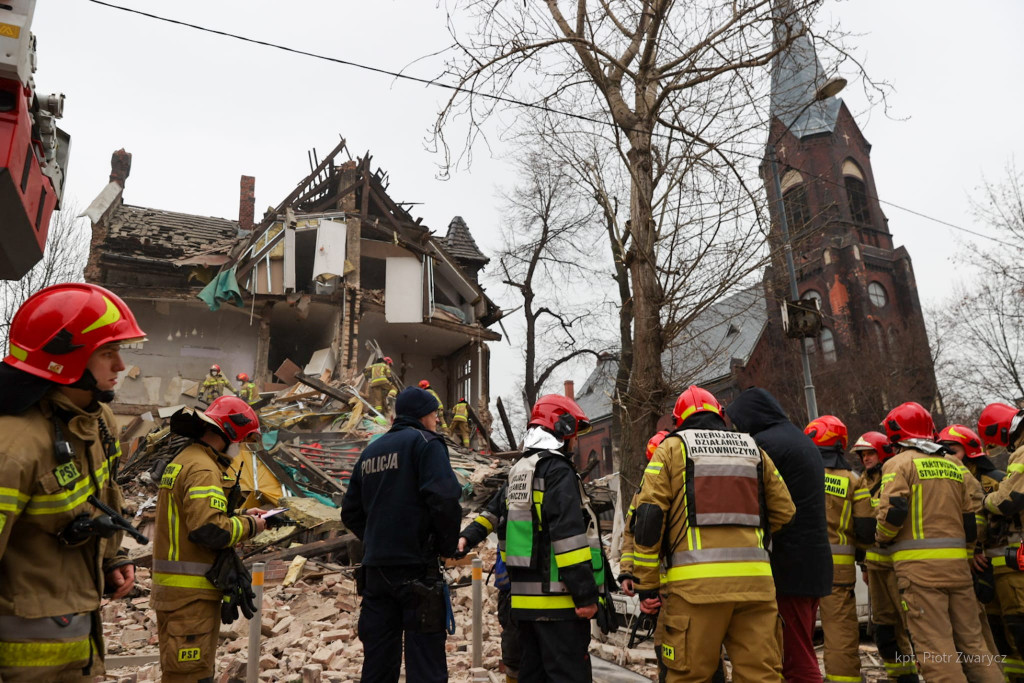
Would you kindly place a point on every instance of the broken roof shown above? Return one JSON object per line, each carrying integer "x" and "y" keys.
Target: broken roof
{"x": 144, "y": 233}
{"x": 727, "y": 331}
{"x": 460, "y": 244}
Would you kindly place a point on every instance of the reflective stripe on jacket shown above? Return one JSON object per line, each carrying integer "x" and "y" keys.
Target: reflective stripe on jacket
{"x": 380, "y": 374}
{"x": 707, "y": 563}
{"x": 923, "y": 504}
{"x": 193, "y": 523}
{"x": 460, "y": 413}
{"x": 840, "y": 493}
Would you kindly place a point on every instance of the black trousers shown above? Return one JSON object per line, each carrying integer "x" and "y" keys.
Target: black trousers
{"x": 511, "y": 650}
{"x": 387, "y": 612}
{"x": 556, "y": 651}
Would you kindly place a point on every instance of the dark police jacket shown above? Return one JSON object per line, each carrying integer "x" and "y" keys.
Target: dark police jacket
{"x": 403, "y": 498}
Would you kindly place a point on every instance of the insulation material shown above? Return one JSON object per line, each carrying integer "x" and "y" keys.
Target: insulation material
{"x": 403, "y": 296}
{"x": 263, "y": 489}
{"x": 329, "y": 260}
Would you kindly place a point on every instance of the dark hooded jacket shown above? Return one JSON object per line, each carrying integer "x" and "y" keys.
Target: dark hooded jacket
{"x": 801, "y": 555}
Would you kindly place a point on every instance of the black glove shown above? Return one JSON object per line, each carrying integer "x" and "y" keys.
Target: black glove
{"x": 606, "y": 617}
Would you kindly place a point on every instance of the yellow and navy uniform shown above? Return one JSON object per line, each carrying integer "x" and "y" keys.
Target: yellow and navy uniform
{"x": 380, "y": 383}
{"x": 248, "y": 392}
{"x": 193, "y": 525}
{"x": 50, "y": 627}
{"x": 926, "y": 518}
{"x": 213, "y": 387}
{"x": 699, "y": 512}
{"x": 460, "y": 422}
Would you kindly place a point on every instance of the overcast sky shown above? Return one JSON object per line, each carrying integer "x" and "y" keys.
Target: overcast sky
{"x": 197, "y": 110}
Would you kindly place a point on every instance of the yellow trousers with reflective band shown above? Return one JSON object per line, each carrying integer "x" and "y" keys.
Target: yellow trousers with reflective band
{"x": 842, "y": 635}
{"x": 692, "y": 636}
{"x": 53, "y": 661}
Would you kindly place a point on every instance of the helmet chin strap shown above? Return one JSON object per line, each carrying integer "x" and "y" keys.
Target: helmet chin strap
{"x": 88, "y": 382}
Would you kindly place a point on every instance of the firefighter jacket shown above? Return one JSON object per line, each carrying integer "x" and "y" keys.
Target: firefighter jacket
{"x": 709, "y": 501}
{"x": 403, "y": 498}
{"x": 840, "y": 491}
{"x": 1005, "y": 506}
{"x": 248, "y": 393}
{"x": 194, "y": 521}
{"x": 626, "y": 556}
{"x": 380, "y": 374}
{"x": 549, "y": 540}
{"x": 926, "y": 518}
{"x": 212, "y": 387}
{"x": 460, "y": 412}
{"x": 40, "y": 494}
{"x": 487, "y": 521}
{"x": 865, "y": 512}
{"x": 440, "y": 403}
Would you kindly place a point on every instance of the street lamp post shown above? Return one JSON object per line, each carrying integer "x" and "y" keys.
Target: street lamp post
{"x": 830, "y": 88}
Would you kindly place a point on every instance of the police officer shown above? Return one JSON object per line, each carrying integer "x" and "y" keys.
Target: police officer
{"x": 551, "y": 545}
{"x": 403, "y": 503}
{"x": 838, "y": 611}
{"x": 58, "y": 451}
{"x": 925, "y": 519}
{"x": 709, "y": 501}
{"x": 213, "y": 386}
{"x": 195, "y": 524}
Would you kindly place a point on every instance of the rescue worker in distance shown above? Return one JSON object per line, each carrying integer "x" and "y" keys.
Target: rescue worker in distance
{"x": 194, "y": 523}
{"x": 403, "y": 503}
{"x": 380, "y": 382}
{"x": 838, "y": 611}
{"x": 887, "y": 613}
{"x": 247, "y": 389}
{"x": 925, "y": 519}
{"x": 425, "y": 384}
{"x": 700, "y": 512}
{"x": 552, "y": 548}
{"x": 965, "y": 446}
{"x": 213, "y": 386}
{"x": 58, "y": 450}
{"x": 460, "y": 422}
{"x": 1003, "y": 425}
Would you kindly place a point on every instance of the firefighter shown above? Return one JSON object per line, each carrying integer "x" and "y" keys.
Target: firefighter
{"x": 625, "y": 579}
{"x": 214, "y": 385}
{"x": 460, "y": 422}
{"x": 551, "y": 544}
{"x": 196, "y": 531}
{"x": 247, "y": 389}
{"x": 965, "y": 446}
{"x": 58, "y": 451}
{"x": 380, "y": 382}
{"x": 708, "y": 503}
{"x": 425, "y": 385}
{"x": 925, "y": 519}
{"x": 404, "y": 476}
{"x": 838, "y": 611}
{"x": 1002, "y": 425}
{"x": 887, "y": 615}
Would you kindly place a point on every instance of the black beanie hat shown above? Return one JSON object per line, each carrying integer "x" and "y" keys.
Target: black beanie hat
{"x": 415, "y": 403}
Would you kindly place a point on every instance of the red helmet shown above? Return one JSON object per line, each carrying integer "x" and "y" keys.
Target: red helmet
{"x": 655, "y": 441}
{"x": 57, "y": 329}
{"x": 214, "y": 367}
{"x": 965, "y": 436}
{"x": 558, "y": 414}
{"x": 387, "y": 359}
{"x": 909, "y": 421}
{"x": 695, "y": 400}
{"x": 424, "y": 384}
{"x": 242, "y": 377}
{"x": 874, "y": 441}
{"x": 828, "y": 430}
{"x": 234, "y": 417}
{"x": 998, "y": 422}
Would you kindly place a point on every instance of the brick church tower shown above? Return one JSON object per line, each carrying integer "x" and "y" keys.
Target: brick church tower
{"x": 872, "y": 352}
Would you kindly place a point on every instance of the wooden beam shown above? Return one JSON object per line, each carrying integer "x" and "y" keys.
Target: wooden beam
{"x": 309, "y": 464}
{"x": 314, "y": 549}
{"x": 486, "y": 434}
{"x": 280, "y": 472}
{"x": 507, "y": 424}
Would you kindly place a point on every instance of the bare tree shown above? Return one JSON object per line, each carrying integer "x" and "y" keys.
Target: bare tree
{"x": 676, "y": 83}
{"x": 546, "y": 260}
{"x": 67, "y": 248}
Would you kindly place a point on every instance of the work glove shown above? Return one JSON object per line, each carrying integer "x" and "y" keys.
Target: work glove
{"x": 606, "y": 618}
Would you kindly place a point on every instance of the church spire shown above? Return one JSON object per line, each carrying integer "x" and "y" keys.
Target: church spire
{"x": 796, "y": 76}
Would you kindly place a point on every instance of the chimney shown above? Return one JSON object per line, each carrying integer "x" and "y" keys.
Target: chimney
{"x": 246, "y": 202}
{"x": 570, "y": 389}
{"x": 120, "y": 167}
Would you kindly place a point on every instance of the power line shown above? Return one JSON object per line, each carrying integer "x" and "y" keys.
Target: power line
{"x": 433, "y": 82}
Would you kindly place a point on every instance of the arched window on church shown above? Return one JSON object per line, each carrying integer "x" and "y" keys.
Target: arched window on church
{"x": 828, "y": 345}
{"x": 879, "y": 333}
{"x": 856, "y": 193}
{"x": 794, "y": 200}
